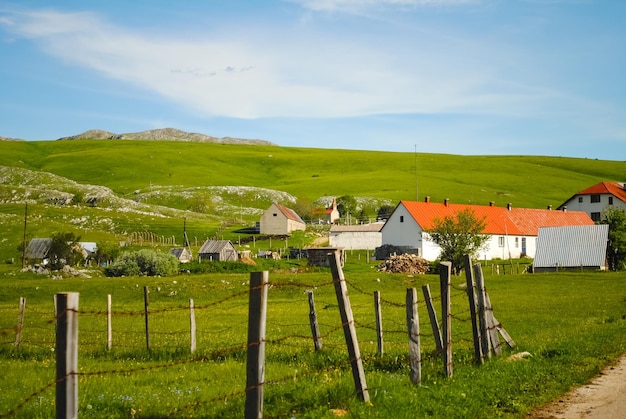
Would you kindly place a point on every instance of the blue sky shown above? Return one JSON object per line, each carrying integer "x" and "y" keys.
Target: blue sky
{"x": 492, "y": 77}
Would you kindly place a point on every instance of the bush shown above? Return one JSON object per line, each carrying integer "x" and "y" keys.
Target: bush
{"x": 143, "y": 262}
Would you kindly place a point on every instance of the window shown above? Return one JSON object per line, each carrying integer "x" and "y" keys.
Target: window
{"x": 595, "y": 216}
{"x": 610, "y": 200}
{"x": 402, "y": 218}
{"x": 501, "y": 241}
{"x": 517, "y": 242}
{"x": 595, "y": 199}
{"x": 580, "y": 199}
{"x": 275, "y": 215}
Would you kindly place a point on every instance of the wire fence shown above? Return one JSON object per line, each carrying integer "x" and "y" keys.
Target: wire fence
{"x": 184, "y": 360}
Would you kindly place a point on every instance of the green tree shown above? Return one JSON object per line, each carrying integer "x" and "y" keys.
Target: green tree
{"x": 106, "y": 252}
{"x": 458, "y": 235}
{"x": 143, "y": 262}
{"x": 616, "y": 248}
{"x": 346, "y": 204}
{"x": 64, "y": 250}
{"x": 384, "y": 212}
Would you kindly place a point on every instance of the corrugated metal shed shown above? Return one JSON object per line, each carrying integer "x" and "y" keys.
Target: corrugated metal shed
{"x": 38, "y": 248}
{"x": 571, "y": 247}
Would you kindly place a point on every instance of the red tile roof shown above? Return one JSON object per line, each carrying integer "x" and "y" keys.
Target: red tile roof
{"x": 498, "y": 220}
{"x": 614, "y": 188}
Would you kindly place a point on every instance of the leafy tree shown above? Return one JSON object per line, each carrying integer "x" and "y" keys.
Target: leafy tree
{"x": 304, "y": 208}
{"x": 616, "y": 249}
{"x": 106, "y": 252}
{"x": 346, "y": 204}
{"x": 384, "y": 212}
{"x": 64, "y": 250}
{"x": 458, "y": 235}
{"x": 143, "y": 262}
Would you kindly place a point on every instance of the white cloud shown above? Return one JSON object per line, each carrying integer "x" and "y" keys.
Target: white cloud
{"x": 273, "y": 75}
{"x": 356, "y": 5}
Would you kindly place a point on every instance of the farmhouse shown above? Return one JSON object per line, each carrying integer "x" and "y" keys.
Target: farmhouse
{"x": 571, "y": 247}
{"x": 356, "y": 237}
{"x": 218, "y": 250}
{"x": 512, "y": 231}
{"x": 597, "y": 198}
{"x": 38, "y": 249}
{"x": 280, "y": 220}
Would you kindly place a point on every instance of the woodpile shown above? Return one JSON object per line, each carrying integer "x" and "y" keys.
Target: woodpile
{"x": 405, "y": 263}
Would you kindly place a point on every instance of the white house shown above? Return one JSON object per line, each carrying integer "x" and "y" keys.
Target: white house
{"x": 358, "y": 236}
{"x": 597, "y": 198}
{"x": 280, "y": 220}
{"x": 512, "y": 231}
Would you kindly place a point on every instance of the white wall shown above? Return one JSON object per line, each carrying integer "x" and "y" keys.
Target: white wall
{"x": 405, "y": 233}
{"x": 355, "y": 240}
{"x": 590, "y": 207}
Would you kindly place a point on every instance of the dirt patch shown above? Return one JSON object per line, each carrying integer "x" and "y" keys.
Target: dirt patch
{"x": 604, "y": 397}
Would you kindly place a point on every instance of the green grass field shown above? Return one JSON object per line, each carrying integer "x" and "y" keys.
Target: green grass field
{"x": 573, "y": 324}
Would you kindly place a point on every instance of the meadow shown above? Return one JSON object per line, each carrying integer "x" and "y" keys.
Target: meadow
{"x": 572, "y": 324}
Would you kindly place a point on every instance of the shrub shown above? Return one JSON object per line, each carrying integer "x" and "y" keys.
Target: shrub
{"x": 143, "y": 262}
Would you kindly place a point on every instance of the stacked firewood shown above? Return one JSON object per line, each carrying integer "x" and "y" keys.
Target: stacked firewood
{"x": 405, "y": 263}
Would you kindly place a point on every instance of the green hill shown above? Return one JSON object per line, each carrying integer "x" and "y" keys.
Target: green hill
{"x": 105, "y": 189}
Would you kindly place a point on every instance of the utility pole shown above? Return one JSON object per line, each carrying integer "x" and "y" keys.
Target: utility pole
{"x": 24, "y": 241}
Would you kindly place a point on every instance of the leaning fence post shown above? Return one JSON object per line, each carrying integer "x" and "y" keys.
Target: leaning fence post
{"x": 379, "y": 323}
{"x": 20, "y": 322}
{"x": 255, "y": 363}
{"x": 192, "y": 325}
{"x": 67, "y": 355}
{"x": 471, "y": 296}
{"x": 412, "y": 321}
{"x": 109, "y": 325}
{"x": 315, "y": 329}
{"x": 146, "y": 292}
{"x": 433, "y": 318}
{"x": 445, "y": 269}
{"x": 349, "y": 331}
{"x": 482, "y": 314}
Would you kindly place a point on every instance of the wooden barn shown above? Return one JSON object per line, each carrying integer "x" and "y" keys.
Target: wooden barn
{"x": 38, "y": 249}
{"x": 218, "y": 250}
{"x": 181, "y": 253}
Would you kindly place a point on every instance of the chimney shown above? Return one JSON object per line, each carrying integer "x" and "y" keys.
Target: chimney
{"x": 427, "y": 199}
{"x": 491, "y": 203}
{"x": 445, "y": 202}
{"x": 509, "y": 206}
{"x": 549, "y": 207}
{"x": 564, "y": 209}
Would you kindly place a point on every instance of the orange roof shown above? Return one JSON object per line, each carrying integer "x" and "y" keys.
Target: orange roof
{"x": 498, "y": 220}
{"x": 614, "y": 188}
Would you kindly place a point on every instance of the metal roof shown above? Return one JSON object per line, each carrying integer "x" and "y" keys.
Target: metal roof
{"x": 572, "y": 246}
{"x": 215, "y": 246}
{"x": 38, "y": 248}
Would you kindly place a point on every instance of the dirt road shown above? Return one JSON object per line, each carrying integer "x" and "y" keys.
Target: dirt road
{"x": 603, "y": 398}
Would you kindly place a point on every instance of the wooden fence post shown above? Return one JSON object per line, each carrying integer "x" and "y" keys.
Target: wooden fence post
{"x": 491, "y": 326}
{"x": 146, "y": 292}
{"x": 255, "y": 363}
{"x": 433, "y": 318}
{"x": 379, "y": 323}
{"x": 445, "y": 269}
{"x": 67, "y": 355}
{"x": 413, "y": 325}
{"x": 347, "y": 320}
{"x": 192, "y": 325}
{"x": 20, "y": 322}
{"x": 471, "y": 296}
{"x": 315, "y": 329}
{"x": 109, "y": 324}
{"x": 482, "y": 314}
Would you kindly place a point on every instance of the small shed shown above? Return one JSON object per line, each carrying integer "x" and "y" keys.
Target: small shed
{"x": 571, "y": 247}
{"x": 38, "y": 249}
{"x": 181, "y": 253}
{"x": 318, "y": 256}
{"x": 357, "y": 236}
{"x": 218, "y": 250}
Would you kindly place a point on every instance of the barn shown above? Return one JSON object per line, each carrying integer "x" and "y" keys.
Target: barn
{"x": 38, "y": 249}
{"x": 181, "y": 253}
{"x": 571, "y": 248}
{"x": 280, "y": 220}
{"x": 218, "y": 250}
{"x": 357, "y": 236}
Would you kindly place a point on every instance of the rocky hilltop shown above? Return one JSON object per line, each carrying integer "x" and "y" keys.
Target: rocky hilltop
{"x": 164, "y": 134}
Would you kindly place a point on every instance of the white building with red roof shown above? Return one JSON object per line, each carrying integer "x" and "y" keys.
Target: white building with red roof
{"x": 280, "y": 220}
{"x": 597, "y": 199}
{"x": 512, "y": 231}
